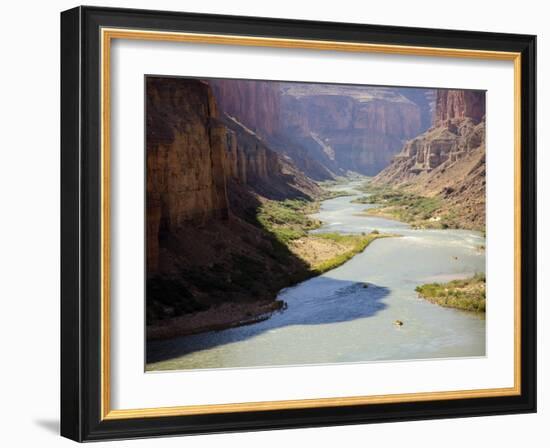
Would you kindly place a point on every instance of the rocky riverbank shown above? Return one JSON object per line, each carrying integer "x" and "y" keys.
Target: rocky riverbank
{"x": 216, "y": 318}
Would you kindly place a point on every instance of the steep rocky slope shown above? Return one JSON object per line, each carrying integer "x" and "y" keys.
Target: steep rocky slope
{"x": 207, "y": 174}
{"x": 257, "y": 107}
{"x": 448, "y": 160}
{"x": 251, "y": 161}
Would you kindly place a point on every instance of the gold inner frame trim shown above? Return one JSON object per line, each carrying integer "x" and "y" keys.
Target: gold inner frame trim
{"x": 107, "y": 35}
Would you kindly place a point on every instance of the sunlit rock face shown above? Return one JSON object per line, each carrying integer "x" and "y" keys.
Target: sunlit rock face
{"x": 453, "y": 104}
{"x": 459, "y": 128}
{"x": 449, "y": 158}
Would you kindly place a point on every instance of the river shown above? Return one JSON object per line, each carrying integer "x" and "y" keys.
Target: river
{"x": 333, "y": 318}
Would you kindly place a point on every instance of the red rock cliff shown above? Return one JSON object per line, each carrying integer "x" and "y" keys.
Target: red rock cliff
{"x": 456, "y": 131}
{"x": 207, "y": 176}
{"x": 250, "y": 161}
{"x": 193, "y": 152}
{"x": 254, "y": 103}
{"x": 448, "y": 160}
{"x": 185, "y": 158}
{"x": 451, "y": 104}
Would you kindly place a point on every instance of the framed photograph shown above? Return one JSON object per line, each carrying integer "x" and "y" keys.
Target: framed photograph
{"x": 273, "y": 223}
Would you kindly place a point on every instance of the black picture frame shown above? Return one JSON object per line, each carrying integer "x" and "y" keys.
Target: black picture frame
{"x": 81, "y": 224}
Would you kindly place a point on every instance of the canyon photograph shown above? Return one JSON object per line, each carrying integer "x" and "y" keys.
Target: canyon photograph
{"x": 293, "y": 223}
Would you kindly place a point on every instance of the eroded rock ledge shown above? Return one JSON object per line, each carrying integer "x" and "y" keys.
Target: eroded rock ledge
{"x": 448, "y": 160}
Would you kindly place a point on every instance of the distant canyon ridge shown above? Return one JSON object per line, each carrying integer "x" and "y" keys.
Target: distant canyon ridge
{"x": 430, "y": 142}
{"x": 329, "y": 129}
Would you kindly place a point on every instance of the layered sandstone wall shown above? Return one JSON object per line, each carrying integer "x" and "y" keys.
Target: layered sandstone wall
{"x": 251, "y": 161}
{"x": 327, "y": 129}
{"x": 193, "y": 155}
{"x": 448, "y": 160}
{"x": 349, "y": 134}
{"x": 248, "y": 159}
{"x": 185, "y": 158}
{"x": 451, "y": 104}
{"x": 256, "y": 104}
{"x": 459, "y": 128}
{"x": 207, "y": 176}
{"x": 450, "y": 141}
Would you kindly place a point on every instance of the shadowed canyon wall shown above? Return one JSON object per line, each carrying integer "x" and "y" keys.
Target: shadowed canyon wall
{"x": 185, "y": 159}
{"x": 207, "y": 176}
{"x": 193, "y": 152}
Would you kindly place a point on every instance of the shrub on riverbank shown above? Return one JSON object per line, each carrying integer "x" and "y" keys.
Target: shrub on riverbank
{"x": 354, "y": 243}
{"x": 248, "y": 261}
{"x": 332, "y": 194}
{"x": 428, "y": 212}
{"x": 467, "y": 294}
{"x": 419, "y": 211}
{"x": 288, "y": 220}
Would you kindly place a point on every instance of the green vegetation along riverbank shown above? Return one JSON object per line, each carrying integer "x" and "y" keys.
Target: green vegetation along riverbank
{"x": 419, "y": 211}
{"x": 468, "y": 294}
{"x": 290, "y": 222}
{"x": 240, "y": 285}
{"x": 326, "y": 251}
